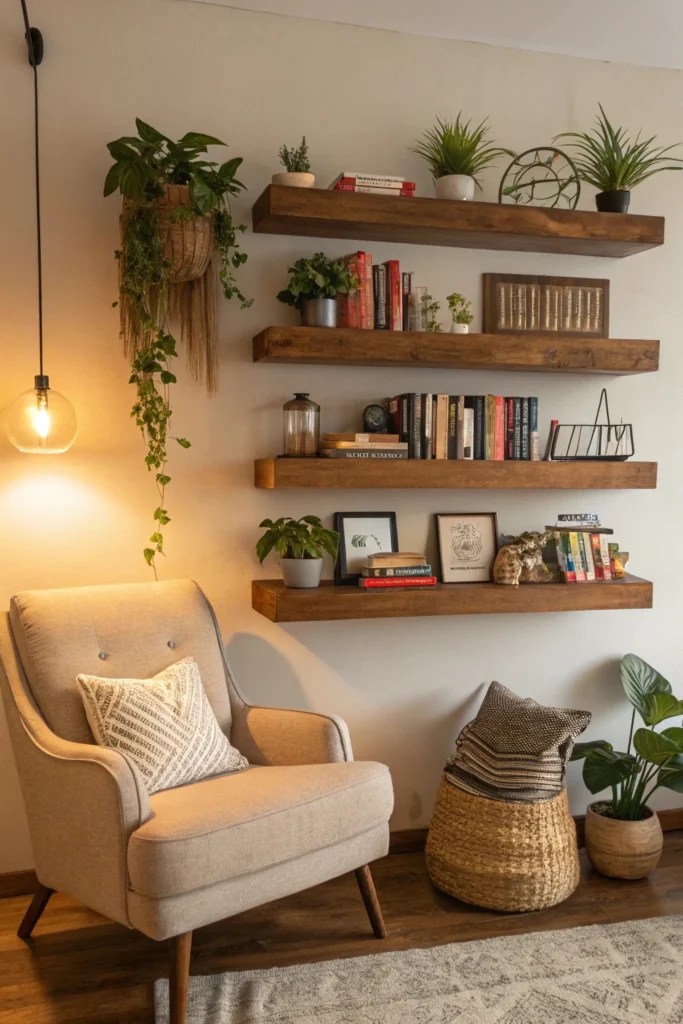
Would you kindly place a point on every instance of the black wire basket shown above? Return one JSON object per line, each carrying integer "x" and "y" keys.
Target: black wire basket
{"x": 593, "y": 442}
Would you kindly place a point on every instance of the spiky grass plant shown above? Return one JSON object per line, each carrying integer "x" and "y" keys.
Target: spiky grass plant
{"x": 453, "y": 147}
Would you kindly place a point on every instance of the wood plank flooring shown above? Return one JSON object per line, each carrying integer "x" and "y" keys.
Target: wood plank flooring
{"x": 81, "y": 969}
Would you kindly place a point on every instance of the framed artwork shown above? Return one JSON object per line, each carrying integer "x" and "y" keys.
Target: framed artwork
{"x": 468, "y": 545}
{"x": 529, "y": 304}
{"x": 362, "y": 534}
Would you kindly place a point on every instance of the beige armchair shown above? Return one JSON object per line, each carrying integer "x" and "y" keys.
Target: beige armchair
{"x": 182, "y": 858}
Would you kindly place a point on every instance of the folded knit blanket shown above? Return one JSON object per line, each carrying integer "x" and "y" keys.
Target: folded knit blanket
{"x": 515, "y": 749}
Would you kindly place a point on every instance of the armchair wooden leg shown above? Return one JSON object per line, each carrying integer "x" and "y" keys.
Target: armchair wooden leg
{"x": 179, "y": 976}
{"x": 369, "y": 894}
{"x": 32, "y": 915}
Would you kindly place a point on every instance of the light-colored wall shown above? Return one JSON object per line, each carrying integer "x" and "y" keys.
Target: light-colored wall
{"x": 361, "y": 96}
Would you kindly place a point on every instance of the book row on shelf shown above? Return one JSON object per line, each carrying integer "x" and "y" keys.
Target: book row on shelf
{"x": 386, "y": 298}
{"x": 586, "y": 555}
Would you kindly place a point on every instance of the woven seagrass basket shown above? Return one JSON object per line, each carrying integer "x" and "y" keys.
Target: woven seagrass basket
{"x": 503, "y": 856}
{"x": 188, "y": 244}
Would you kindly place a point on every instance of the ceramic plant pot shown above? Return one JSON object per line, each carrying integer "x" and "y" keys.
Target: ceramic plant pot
{"x": 319, "y": 313}
{"x": 460, "y": 328}
{"x": 623, "y": 849}
{"x": 455, "y": 186}
{"x": 298, "y": 179}
{"x": 301, "y": 572}
{"x": 613, "y": 202}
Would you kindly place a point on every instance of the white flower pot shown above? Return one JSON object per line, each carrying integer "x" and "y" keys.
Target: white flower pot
{"x": 301, "y": 572}
{"x": 460, "y": 328}
{"x": 299, "y": 179}
{"x": 455, "y": 186}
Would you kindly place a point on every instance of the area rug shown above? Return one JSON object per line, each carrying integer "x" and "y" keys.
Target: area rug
{"x": 630, "y": 973}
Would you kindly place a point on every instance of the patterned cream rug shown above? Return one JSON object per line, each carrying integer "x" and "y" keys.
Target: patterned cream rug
{"x": 628, "y": 973}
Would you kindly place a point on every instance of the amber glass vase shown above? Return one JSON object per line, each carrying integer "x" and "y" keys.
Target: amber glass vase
{"x": 302, "y": 427}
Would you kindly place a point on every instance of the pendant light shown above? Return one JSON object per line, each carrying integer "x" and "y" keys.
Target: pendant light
{"x": 41, "y": 421}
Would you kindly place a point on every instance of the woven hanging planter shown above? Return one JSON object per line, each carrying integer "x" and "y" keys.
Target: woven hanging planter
{"x": 188, "y": 244}
{"x": 503, "y": 856}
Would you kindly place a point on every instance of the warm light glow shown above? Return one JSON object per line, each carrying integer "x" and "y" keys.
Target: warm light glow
{"x": 42, "y": 422}
{"x": 41, "y": 417}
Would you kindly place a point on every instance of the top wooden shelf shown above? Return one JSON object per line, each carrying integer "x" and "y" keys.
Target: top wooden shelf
{"x": 324, "y": 213}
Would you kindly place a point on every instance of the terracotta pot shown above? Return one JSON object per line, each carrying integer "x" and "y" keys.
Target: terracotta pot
{"x": 623, "y": 849}
{"x": 297, "y": 179}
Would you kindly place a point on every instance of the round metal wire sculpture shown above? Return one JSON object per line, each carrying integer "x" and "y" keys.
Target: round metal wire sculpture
{"x": 544, "y": 176}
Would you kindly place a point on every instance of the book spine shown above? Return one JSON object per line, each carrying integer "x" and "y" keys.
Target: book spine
{"x": 576, "y": 558}
{"x": 525, "y": 438}
{"x": 427, "y": 420}
{"x": 509, "y": 428}
{"x": 604, "y": 555}
{"x": 390, "y": 180}
{"x": 452, "y": 440}
{"x": 375, "y": 190}
{"x": 406, "y": 288}
{"x": 566, "y": 558}
{"x": 404, "y": 420}
{"x": 551, "y": 436}
{"x": 490, "y": 426}
{"x": 479, "y": 407}
{"x": 597, "y": 556}
{"x": 460, "y": 428}
{"x": 468, "y": 434}
{"x": 394, "y": 410}
{"x": 369, "y": 293}
{"x": 441, "y": 431}
{"x": 534, "y": 439}
{"x": 362, "y": 292}
{"x": 369, "y": 583}
{"x": 517, "y": 429}
{"x": 587, "y": 557}
{"x": 403, "y": 570}
{"x": 415, "y": 439}
{"x": 394, "y": 296}
{"x": 351, "y": 303}
{"x": 499, "y": 428}
{"x": 354, "y": 453}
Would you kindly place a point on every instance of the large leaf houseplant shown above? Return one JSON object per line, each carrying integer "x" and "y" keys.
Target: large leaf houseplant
{"x": 177, "y": 236}
{"x": 301, "y": 544}
{"x": 314, "y": 286}
{"x": 623, "y": 834}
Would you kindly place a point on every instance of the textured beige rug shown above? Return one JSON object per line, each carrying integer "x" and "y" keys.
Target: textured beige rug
{"x": 628, "y": 973}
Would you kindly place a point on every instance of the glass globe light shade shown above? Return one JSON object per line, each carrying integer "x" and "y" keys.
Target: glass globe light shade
{"x": 41, "y": 421}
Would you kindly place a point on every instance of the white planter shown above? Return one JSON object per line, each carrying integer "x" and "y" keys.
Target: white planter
{"x": 299, "y": 179}
{"x": 455, "y": 186}
{"x": 460, "y": 328}
{"x": 301, "y": 572}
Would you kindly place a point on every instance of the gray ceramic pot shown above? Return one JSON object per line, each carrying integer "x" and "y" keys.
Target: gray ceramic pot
{"x": 301, "y": 572}
{"x": 319, "y": 313}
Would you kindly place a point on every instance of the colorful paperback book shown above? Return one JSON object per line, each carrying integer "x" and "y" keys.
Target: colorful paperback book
{"x": 597, "y": 556}
{"x": 369, "y": 583}
{"x": 399, "y": 570}
{"x": 565, "y": 558}
{"x": 427, "y": 426}
{"x": 576, "y": 558}
{"x": 499, "y": 428}
{"x": 604, "y": 555}
{"x": 363, "y": 178}
{"x": 490, "y": 423}
{"x": 525, "y": 441}
{"x": 534, "y": 438}
{"x": 587, "y": 556}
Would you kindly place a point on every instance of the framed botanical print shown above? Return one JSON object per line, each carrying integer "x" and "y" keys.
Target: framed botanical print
{"x": 362, "y": 534}
{"x": 468, "y": 545}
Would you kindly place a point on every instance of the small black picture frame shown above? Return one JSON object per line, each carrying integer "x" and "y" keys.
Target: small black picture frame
{"x": 472, "y": 567}
{"x": 357, "y": 540}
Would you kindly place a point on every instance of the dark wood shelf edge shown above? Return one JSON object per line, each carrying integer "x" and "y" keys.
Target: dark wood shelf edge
{"x": 325, "y": 603}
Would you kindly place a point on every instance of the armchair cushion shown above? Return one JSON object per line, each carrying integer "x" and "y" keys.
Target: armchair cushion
{"x": 164, "y": 724}
{"x": 233, "y": 825}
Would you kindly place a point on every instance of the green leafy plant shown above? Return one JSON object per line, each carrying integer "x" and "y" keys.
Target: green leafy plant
{"x": 144, "y": 165}
{"x": 430, "y": 308}
{"x": 297, "y": 538}
{"x": 652, "y": 759}
{"x": 611, "y": 161}
{"x": 460, "y": 307}
{"x": 318, "y": 278}
{"x": 453, "y": 147}
{"x": 296, "y": 159}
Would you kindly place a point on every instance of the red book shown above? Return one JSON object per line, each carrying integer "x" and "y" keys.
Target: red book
{"x": 384, "y": 582}
{"x": 375, "y": 191}
{"x": 361, "y": 293}
{"x": 499, "y": 428}
{"x": 348, "y": 306}
{"x": 597, "y": 557}
{"x": 397, "y": 186}
{"x": 394, "y": 296}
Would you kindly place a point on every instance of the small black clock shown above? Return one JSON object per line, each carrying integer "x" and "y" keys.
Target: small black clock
{"x": 376, "y": 420}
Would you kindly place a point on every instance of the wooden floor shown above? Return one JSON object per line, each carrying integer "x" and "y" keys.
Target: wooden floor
{"x": 81, "y": 968}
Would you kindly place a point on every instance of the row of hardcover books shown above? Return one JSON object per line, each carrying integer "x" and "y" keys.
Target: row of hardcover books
{"x": 482, "y": 427}
{"x": 385, "y": 571}
{"x": 585, "y": 556}
{"x": 382, "y": 300}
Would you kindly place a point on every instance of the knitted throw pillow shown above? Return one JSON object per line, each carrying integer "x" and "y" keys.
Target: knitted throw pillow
{"x": 165, "y": 725}
{"x": 515, "y": 749}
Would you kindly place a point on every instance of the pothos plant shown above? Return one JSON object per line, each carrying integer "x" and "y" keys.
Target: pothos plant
{"x": 144, "y": 165}
{"x": 318, "y": 278}
{"x": 297, "y": 538}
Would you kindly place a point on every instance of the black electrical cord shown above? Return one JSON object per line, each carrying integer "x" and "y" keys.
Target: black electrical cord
{"x": 34, "y": 42}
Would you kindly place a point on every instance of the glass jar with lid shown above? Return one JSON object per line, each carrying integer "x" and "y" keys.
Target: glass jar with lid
{"x": 302, "y": 427}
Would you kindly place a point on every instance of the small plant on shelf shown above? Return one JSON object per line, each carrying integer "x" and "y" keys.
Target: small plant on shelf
{"x": 614, "y": 163}
{"x": 313, "y": 287}
{"x": 301, "y": 544}
{"x": 461, "y": 313}
{"x": 430, "y": 309}
{"x": 457, "y": 154}
{"x": 297, "y": 166}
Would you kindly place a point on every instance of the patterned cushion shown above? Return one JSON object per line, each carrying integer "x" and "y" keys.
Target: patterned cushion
{"x": 515, "y": 749}
{"x": 164, "y": 724}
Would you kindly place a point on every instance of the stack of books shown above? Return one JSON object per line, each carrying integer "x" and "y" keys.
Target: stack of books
{"x": 363, "y": 446}
{"x": 375, "y": 184}
{"x": 466, "y": 426}
{"x": 382, "y": 300}
{"x": 385, "y": 571}
{"x": 585, "y": 555}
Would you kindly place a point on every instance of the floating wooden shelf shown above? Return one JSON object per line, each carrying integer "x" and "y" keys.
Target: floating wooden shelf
{"x": 324, "y": 213}
{"x": 454, "y": 474}
{"x": 553, "y": 353}
{"x": 281, "y": 604}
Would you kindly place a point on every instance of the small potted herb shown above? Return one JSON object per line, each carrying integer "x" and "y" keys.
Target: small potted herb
{"x": 301, "y": 544}
{"x": 457, "y": 154}
{"x": 608, "y": 159}
{"x": 461, "y": 313}
{"x": 314, "y": 285}
{"x": 297, "y": 167}
{"x": 431, "y": 308}
{"x": 623, "y": 835}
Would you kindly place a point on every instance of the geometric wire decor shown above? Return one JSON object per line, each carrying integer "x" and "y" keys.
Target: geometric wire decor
{"x": 598, "y": 442}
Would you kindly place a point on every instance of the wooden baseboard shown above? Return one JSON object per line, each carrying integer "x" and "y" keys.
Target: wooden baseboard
{"x": 18, "y": 883}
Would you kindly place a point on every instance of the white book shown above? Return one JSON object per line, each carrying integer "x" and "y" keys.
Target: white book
{"x": 468, "y": 433}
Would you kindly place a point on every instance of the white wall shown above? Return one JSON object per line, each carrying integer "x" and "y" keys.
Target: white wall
{"x": 361, "y": 96}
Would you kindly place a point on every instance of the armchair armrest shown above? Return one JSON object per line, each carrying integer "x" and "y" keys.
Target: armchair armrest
{"x": 277, "y": 736}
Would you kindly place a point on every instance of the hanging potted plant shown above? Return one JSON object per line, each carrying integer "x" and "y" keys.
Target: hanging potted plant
{"x": 314, "y": 285}
{"x": 612, "y": 163}
{"x": 176, "y": 226}
{"x": 457, "y": 154}
{"x": 623, "y": 835}
{"x": 301, "y": 544}
{"x": 461, "y": 313}
{"x": 297, "y": 167}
